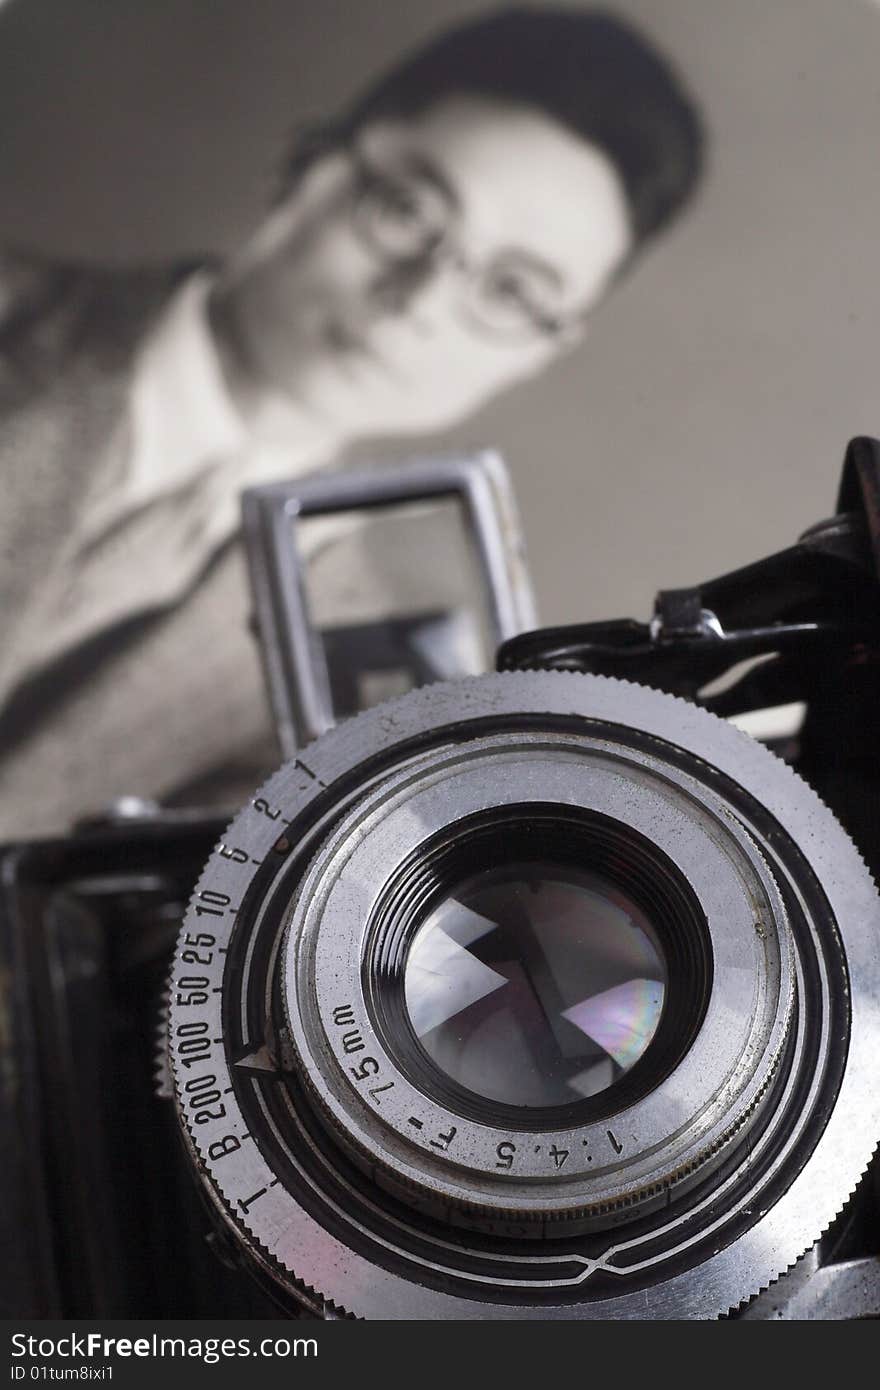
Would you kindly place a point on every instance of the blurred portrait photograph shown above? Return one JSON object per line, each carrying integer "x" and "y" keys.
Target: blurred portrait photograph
{"x": 439, "y": 660}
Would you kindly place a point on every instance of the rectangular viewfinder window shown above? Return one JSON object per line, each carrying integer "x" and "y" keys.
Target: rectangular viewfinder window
{"x": 396, "y": 595}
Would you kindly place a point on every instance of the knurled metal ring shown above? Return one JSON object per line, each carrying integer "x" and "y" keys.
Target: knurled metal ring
{"x": 754, "y": 1221}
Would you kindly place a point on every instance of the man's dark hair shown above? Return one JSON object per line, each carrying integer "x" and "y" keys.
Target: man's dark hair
{"x": 586, "y": 68}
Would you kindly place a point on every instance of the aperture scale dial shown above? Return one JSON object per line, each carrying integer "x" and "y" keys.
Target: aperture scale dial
{"x": 703, "y": 1121}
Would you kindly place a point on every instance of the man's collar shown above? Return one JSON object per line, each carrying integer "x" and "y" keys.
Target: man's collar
{"x": 183, "y": 417}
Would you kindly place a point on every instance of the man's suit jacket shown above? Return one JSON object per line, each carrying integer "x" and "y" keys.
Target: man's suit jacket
{"x": 171, "y": 693}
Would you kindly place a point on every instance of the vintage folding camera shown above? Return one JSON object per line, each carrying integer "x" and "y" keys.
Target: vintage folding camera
{"x": 542, "y": 993}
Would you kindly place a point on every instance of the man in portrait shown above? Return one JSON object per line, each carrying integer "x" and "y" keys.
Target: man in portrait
{"x": 444, "y": 238}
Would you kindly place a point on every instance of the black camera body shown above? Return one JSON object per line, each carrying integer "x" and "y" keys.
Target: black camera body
{"x": 551, "y": 1154}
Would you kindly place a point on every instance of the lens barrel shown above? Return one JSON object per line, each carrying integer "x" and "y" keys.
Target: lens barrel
{"x": 475, "y": 1159}
{"x": 532, "y": 995}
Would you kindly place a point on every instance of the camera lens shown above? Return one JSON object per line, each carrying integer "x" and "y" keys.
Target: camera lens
{"x": 529, "y": 996}
{"x": 533, "y": 964}
{"x": 535, "y": 984}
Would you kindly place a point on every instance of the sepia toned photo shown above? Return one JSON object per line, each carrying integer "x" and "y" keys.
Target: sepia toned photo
{"x": 439, "y": 651}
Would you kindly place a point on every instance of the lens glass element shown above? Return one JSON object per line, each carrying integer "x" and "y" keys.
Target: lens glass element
{"x": 535, "y": 984}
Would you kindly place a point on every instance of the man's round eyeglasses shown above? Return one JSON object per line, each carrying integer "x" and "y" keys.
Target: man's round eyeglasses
{"x": 408, "y": 221}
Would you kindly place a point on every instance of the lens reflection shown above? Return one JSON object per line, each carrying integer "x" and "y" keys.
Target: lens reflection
{"x": 535, "y": 985}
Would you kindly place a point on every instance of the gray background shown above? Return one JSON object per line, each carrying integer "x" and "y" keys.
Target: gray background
{"x": 704, "y": 420}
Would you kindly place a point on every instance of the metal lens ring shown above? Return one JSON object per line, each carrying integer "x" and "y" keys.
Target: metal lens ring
{"x": 538, "y": 965}
{"x": 523, "y": 1166}
{"x": 532, "y": 995}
